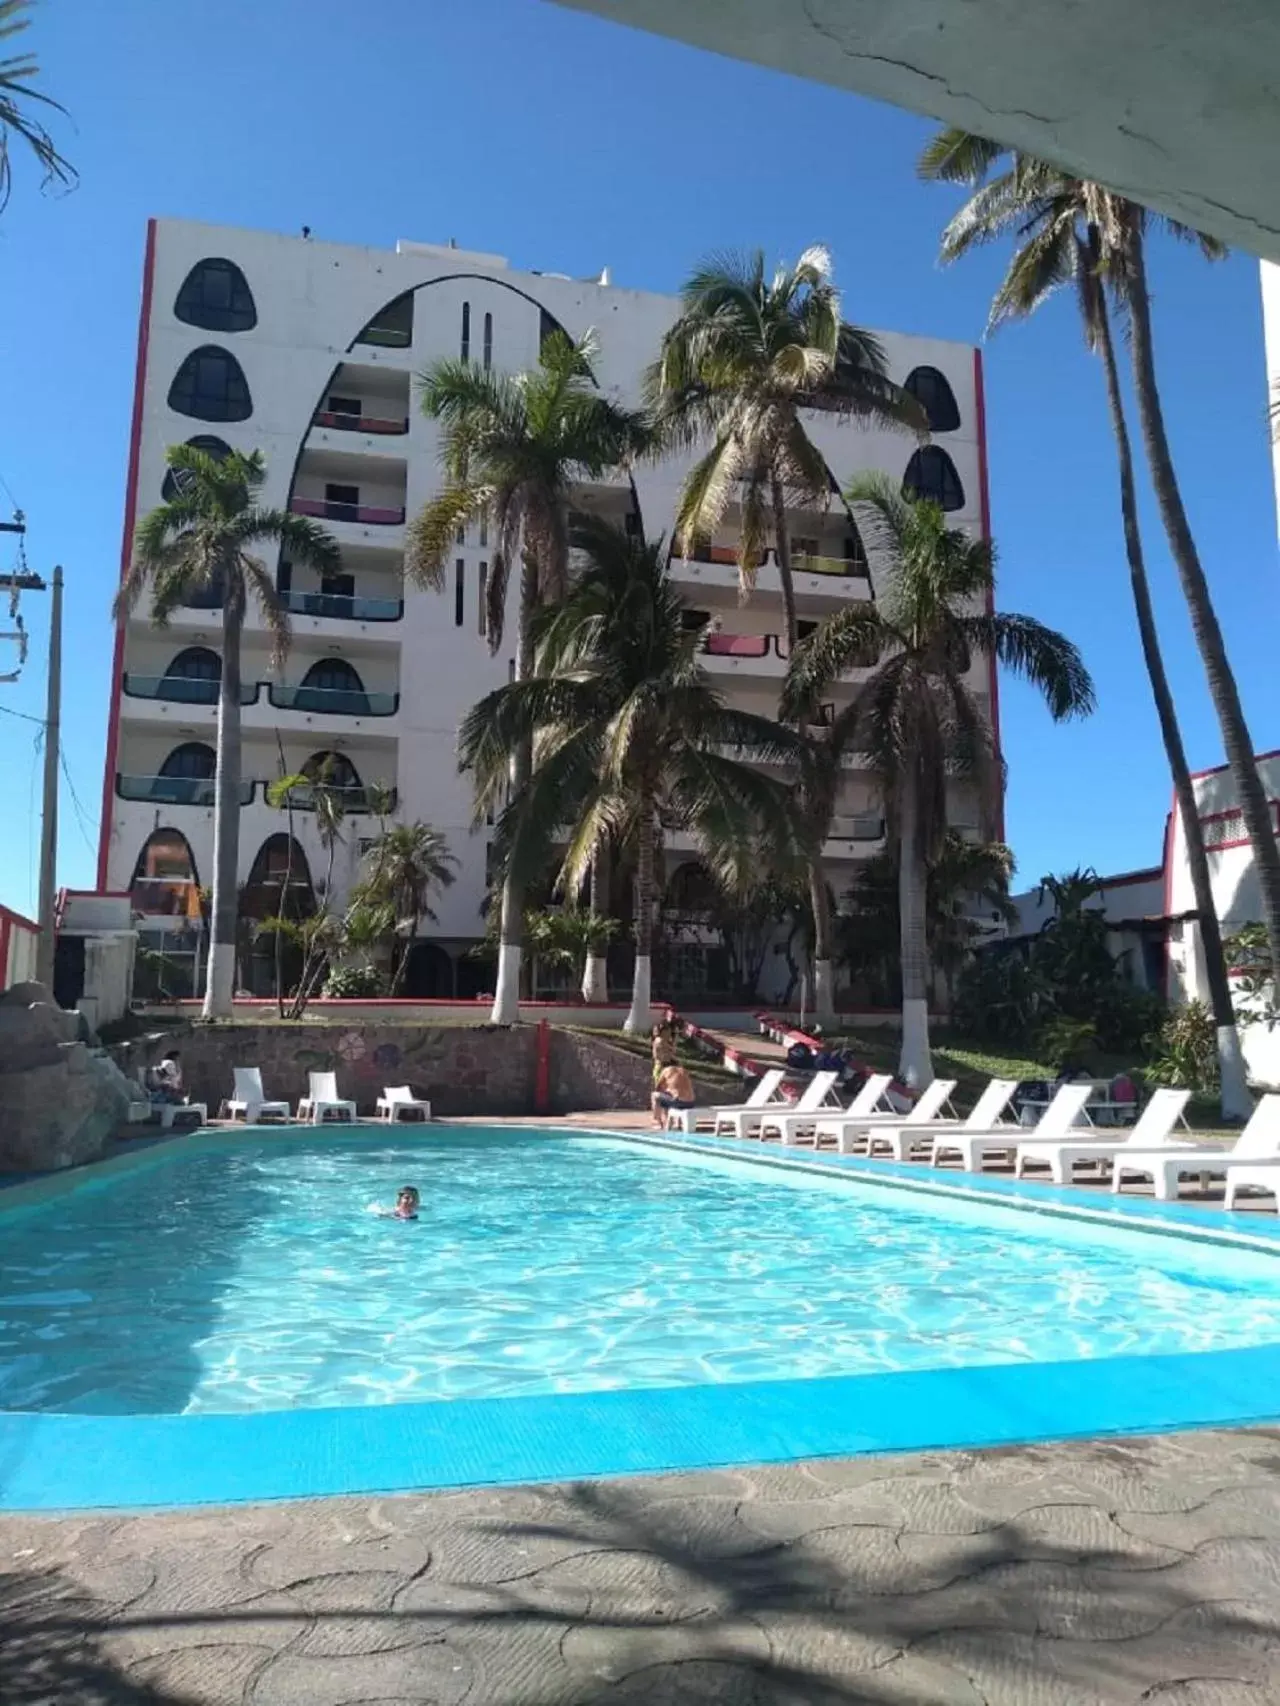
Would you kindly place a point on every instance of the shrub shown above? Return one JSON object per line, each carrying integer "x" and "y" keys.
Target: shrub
{"x": 1185, "y": 1049}
{"x": 1066, "y": 1043}
{"x": 353, "y": 982}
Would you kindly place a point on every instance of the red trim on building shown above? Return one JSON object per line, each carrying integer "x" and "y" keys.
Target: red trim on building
{"x": 1218, "y": 769}
{"x": 984, "y": 500}
{"x": 126, "y": 552}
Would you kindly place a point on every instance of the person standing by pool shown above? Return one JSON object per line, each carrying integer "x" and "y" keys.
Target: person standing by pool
{"x": 674, "y": 1090}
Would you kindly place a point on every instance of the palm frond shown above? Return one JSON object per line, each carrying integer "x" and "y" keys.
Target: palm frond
{"x": 431, "y": 535}
{"x": 1040, "y": 655}
{"x": 956, "y": 156}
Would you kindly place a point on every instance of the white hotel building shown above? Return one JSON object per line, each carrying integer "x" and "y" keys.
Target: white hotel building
{"x": 308, "y": 351}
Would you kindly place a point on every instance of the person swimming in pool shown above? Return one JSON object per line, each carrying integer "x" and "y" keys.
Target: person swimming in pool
{"x": 407, "y": 1200}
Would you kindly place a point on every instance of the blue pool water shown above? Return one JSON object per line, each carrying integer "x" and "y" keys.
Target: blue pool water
{"x": 251, "y": 1277}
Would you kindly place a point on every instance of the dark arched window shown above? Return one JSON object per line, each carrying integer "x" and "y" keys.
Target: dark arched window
{"x": 334, "y": 769}
{"x": 332, "y": 685}
{"x": 932, "y": 474}
{"x": 279, "y": 861}
{"x": 935, "y": 396}
{"x": 193, "y": 761}
{"x": 466, "y": 331}
{"x": 164, "y": 882}
{"x": 215, "y": 295}
{"x": 193, "y": 676}
{"x": 392, "y": 326}
{"x": 176, "y": 477}
{"x": 211, "y": 386}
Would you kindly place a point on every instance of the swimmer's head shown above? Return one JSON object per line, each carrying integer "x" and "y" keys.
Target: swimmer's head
{"x": 408, "y": 1198}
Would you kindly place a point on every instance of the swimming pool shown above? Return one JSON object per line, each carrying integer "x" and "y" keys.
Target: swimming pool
{"x": 247, "y": 1276}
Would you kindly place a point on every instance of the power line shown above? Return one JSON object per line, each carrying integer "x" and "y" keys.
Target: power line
{"x": 81, "y": 815}
{"x": 26, "y": 716}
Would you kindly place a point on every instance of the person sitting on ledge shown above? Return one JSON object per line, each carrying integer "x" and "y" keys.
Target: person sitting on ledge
{"x": 674, "y": 1090}
{"x": 164, "y": 1081}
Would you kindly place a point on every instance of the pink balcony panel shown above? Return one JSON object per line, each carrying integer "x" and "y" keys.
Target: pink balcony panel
{"x": 738, "y": 645}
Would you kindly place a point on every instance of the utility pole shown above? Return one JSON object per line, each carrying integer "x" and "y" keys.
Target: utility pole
{"x": 49, "y": 819}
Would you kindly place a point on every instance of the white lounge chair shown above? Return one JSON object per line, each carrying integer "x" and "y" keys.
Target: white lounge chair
{"x": 250, "y": 1100}
{"x": 1258, "y": 1145}
{"x": 747, "y": 1121}
{"x": 1153, "y": 1131}
{"x": 688, "y": 1120}
{"x": 399, "y": 1105}
{"x": 324, "y": 1100}
{"x": 794, "y": 1126}
{"x": 853, "y": 1132}
{"x": 904, "y": 1142}
{"x": 974, "y": 1148}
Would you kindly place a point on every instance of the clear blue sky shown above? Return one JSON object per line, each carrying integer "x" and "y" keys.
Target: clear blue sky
{"x": 566, "y": 143}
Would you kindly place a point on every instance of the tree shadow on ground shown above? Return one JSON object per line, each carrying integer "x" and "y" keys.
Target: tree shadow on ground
{"x": 627, "y": 1597}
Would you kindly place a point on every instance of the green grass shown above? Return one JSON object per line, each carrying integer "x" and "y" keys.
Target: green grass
{"x": 698, "y": 1064}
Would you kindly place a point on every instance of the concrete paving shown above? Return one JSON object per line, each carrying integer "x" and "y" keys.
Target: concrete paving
{"x": 1109, "y": 1571}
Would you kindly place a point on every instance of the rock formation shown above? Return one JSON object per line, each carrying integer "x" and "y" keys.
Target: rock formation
{"x": 60, "y": 1098}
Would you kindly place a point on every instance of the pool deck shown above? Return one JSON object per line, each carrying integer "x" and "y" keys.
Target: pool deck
{"x": 1125, "y": 1571}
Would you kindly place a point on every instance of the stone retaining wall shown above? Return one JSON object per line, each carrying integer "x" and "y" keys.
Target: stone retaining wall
{"x": 460, "y": 1069}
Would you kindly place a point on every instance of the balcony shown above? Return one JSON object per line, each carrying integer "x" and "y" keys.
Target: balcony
{"x": 365, "y": 514}
{"x": 336, "y": 607}
{"x": 861, "y": 826}
{"x": 377, "y": 424}
{"x": 333, "y": 701}
{"x": 183, "y": 690}
{"x": 174, "y": 790}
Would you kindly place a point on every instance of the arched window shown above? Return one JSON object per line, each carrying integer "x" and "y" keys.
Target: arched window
{"x": 932, "y": 474}
{"x": 164, "y": 882}
{"x": 334, "y": 770}
{"x": 392, "y": 326}
{"x": 935, "y": 396}
{"x": 466, "y": 331}
{"x": 211, "y": 386}
{"x": 488, "y": 342}
{"x": 279, "y": 861}
{"x": 215, "y": 295}
{"x": 332, "y": 685}
{"x": 193, "y": 761}
{"x": 175, "y": 478}
{"x": 193, "y": 676}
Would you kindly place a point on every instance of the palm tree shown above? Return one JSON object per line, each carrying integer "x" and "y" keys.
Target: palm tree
{"x": 203, "y": 540}
{"x": 407, "y": 865}
{"x": 920, "y": 723}
{"x": 1070, "y": 231}
{"x": 16, "y": 73}
{"x": 629, "y": 734}
{"x": 511, "y": 449}
{"x": 745, "y": 360}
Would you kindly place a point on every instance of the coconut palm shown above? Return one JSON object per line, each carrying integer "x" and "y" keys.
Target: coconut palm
{"x": 629, "y": 734}
{"x": 16, "y": 98}
{"x": 406, "y": 867}
{"x": 511, "y": 449}
{"x": 748, "y": 356}
{"x": 1068, "y": 231}
{"x": 920, "y": 724}
{"x": 203, "y": 540}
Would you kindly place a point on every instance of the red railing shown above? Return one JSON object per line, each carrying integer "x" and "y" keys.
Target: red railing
{"x": 347, "y": 512}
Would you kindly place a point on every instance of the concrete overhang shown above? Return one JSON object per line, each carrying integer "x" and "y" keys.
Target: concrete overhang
{"x": 1175, "y": 103}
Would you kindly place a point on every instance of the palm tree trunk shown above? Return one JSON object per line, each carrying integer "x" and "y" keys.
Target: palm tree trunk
{"x": 824, "y": 995}
{"x": 595, "y": 976}
{"x": 1204, "y": 621}
{"x": 640, "y": 1018}
{"x": 402, "y": 964}
{"x": 1236, "y": 1102}
{"x": 506, "y": 997}
{"x": 220, "y": 978}
{"x": 782, "y": 543}
{"x": 915, "y": 1064}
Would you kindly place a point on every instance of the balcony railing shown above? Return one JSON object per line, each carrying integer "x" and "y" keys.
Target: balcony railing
{"x": 386, "y": 337}
{"x": 738, "y": 645}
{"x": 387, "y": 425}
{"x": 333, "y": 701}
{"x": 353, "y": 800}
{"x": 174, "y": 790}
{"x": 801, "y": 562}
{"x": 862, "y": 826}
{"x": 183, "y": 689}
{"x": 371, "y": 515}
{"x": 337, "y": 607}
